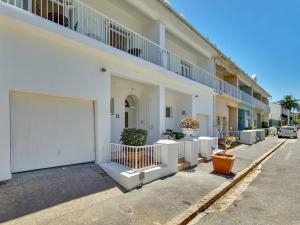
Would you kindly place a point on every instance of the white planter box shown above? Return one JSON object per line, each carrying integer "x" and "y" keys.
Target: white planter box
{"x": 248, "y": 137}
{"x": 272, "y": 131}
{"x": 261, "y": 134}
{"x": 207, "y": 145}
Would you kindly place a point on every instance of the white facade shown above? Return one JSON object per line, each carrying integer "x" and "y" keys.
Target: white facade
{"x": 43, "y": 59}
{"x": 99, "y": 69}
{"x": 276, "y": 111}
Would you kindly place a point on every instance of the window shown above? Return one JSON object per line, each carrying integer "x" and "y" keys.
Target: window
{"x": 255, "y": 123}
{"x": 186, "y": 69}
{"x": 112, "y": 106}
{"x": 168, "y": 112}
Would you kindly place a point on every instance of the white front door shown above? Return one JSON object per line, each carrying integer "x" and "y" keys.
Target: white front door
{"x": 50, "y": 131}
{"x": 203, "y": 129}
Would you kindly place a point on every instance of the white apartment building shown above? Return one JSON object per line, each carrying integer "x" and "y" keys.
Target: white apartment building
{"x": 75, "y": 73}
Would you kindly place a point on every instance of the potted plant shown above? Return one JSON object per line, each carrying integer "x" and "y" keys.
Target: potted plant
{"x": 178, "y": 135}
{"x": 189, "y": 125}
{"x": 222, "y": 162}
{"x": 133, "y": 137}
{"x": 221, "y": 126}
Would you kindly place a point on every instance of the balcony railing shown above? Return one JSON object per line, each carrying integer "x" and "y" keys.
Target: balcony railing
{"x": 79, "y": 17}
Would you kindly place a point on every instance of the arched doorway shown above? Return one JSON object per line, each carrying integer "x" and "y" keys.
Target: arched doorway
{"x": 131, "y": 111}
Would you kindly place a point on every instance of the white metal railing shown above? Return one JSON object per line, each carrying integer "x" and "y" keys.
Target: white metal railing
{"x": 250, "y": 100}
{"x": 226, "y": 88}
{"x": 79, "y": 17}
{"x": 181, "y": 150}
{"x": 136, "y": 157}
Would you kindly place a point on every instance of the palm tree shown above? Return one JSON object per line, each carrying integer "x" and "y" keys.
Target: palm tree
{"x": 289, "y": 103}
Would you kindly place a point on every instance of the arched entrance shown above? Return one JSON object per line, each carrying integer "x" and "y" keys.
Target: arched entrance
{"x": 131, "y": 111}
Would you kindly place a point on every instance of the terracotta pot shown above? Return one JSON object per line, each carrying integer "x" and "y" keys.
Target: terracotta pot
{"x": 134, "y": 158}
{"x": 221, "y": 141}
{"x": 223, "y": 163}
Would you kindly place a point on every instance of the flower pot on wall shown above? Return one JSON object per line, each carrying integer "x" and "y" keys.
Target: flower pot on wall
{"x": 188, "y": 131}
{"x": 223, "y": 163}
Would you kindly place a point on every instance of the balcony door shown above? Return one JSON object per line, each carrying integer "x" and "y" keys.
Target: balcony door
{"x": 131, "y": 111}
{"x": 186, "y": 69}
{"x": 118, "y": 38}
{"x": 54, "y": 10}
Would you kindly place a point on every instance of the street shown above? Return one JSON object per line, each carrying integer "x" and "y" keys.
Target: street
{"x": 273, "y": 197}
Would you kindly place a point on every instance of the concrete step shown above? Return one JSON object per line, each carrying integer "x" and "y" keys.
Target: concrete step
{"x": 183, "y": 165}
{"x": 201, "y": 159}
{"x": 180, "y": 160}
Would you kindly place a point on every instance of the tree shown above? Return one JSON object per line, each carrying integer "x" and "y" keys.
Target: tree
{"x": 289, "y": 103}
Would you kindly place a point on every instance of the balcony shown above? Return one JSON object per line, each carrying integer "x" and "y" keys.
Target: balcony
{"x": 79, "y": 17}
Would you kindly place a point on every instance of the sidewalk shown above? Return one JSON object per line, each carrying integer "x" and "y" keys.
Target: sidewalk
{"x": 155, "y": 203}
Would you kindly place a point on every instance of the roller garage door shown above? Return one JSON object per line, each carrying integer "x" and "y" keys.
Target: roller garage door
{"x": 49, "y": 131}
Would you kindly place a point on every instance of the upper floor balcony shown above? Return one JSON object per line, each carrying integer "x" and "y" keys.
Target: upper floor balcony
{"x": 79, "y": 17}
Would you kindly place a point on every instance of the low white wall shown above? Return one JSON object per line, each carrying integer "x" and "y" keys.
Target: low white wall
{"x": 130, "y": 179}
{"x": 191, "y": 152}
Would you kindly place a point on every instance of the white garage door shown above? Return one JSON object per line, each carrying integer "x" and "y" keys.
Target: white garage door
{"x": 50, "y": 131}
{"x": 203, "y": 130}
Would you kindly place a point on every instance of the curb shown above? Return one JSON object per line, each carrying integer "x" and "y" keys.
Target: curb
{"x": 211, "y": 197}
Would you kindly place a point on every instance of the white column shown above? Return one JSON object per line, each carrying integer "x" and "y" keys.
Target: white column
{"x": 161, "y": 110}
{"x": 103, "y": 121}
{"x": 158, "y": 33}
{"x": 5, "y": 172}
{"x": 29, "y": 6}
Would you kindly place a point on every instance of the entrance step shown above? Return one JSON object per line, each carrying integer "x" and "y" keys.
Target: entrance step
{"x": 201, "y": 159}
{"x": 180, "y": 160}
{"x": 183, "y": 165}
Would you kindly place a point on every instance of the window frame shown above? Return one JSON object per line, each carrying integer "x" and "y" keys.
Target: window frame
{"x": 170, "y": 112}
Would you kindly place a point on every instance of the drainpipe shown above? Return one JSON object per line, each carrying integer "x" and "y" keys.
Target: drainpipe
{"x": 214, "y": 99}
{"x": 214, "y": 113}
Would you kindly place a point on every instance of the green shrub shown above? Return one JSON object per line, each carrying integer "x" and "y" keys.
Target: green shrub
{"x": 134, "y": 137}
{"x": 178, "y": 135}
{"x": 264, "y": 125}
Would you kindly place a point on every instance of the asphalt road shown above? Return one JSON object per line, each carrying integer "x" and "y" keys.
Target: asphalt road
{"x": 272, "y": 198}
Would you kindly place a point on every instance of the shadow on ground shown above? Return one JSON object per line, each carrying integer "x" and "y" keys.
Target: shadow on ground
{"x": 32, "y": 191}
{"x": 228, "y": 177}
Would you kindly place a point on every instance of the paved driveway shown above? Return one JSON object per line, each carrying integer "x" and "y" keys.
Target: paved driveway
{"x": 34, "y": 191}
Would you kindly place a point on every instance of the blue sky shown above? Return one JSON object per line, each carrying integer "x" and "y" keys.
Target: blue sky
{"x": 260, "y": 36}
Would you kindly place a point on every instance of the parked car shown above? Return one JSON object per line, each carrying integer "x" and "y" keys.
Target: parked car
{"x": 288, "y": 131}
